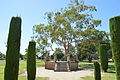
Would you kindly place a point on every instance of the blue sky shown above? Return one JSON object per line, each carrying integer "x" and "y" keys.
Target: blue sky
{"x": 32, "y": 13}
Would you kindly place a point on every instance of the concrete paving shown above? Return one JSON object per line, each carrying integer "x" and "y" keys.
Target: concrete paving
{"x": 73, "y": 75}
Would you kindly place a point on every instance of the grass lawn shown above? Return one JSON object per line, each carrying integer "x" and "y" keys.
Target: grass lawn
{"x": 2, "y": 65}
{"x": 106, "y": 76}
{"x": 21, "y": 70}
{"x": 23, "y": 65}
{"x": 103, "y": 78}
{"x": 38, "y": 78}
{"x": 85, "y": 64}
{"x": 110, "y": 75}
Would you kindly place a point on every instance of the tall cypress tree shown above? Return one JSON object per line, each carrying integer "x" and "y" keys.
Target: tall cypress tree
{"x": 103, "y": 56}
{"x": 97, "y": 71}
{"x": 115, "y": 39}
{"x": 13, "y": 50}
{"x": 31, "y": 61}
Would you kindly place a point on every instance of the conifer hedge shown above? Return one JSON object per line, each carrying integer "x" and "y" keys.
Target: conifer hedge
{"x": 31, "y": 61}
{"x": 115, "y": 39}
{"x": 103, "y": 57}
{"x": 97, "y": 71}
{"x": 13, "y": 50}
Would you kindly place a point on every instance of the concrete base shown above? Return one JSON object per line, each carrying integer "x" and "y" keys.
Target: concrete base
{"x": 61, "y": 65}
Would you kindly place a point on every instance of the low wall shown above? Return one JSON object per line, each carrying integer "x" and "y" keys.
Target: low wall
{"x": 73, "y": 65}
{"x": 51, "y": 65}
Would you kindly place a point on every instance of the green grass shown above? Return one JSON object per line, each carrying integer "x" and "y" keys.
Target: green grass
{"x": 85, "y": 64}
{"x": 110, "y": 75}
{"x": 22, "y": 68}
{"x": 23, "y": 65}
{"x": 103, "y": 78}
{"x": 2, "y": 65}
{"x": 107, "y": 76}
{"x": 40, "y": 63}
{"x": 38, "y": 78}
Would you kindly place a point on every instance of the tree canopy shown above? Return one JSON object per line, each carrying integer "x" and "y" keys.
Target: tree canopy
{"x": 67, "y": 27}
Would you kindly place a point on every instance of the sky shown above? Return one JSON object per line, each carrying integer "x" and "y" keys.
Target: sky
{"x": 32, "y": 13}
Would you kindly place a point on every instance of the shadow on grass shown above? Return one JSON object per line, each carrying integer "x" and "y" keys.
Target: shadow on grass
{"x": 111, "y": 72}
{"x": 111, "y": 69}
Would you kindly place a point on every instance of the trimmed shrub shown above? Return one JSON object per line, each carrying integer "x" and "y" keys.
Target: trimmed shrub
{"x": 115, "y": 39}
{"x": 13, "y": 50}
{"x": 31, "y": 61}
{"x": 103, "y": 57}
{"x": 97, "y": 71}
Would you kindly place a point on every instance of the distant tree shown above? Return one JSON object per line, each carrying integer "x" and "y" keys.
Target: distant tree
{"x": 89, "y": 46}
{"x": 2, "y": 56}
{"x": 59, "y": 53}
{"x": 21, "y": 57}
{"x": 25, "y": 56}
{"x": 26, "y": 50}
{"x": 66, "y": 27}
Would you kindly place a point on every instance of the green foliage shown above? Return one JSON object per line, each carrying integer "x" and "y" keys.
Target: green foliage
{"x": 97, "y": 71}
{"x": 2, "y": 56}
{"x": 60, "y": 56}
{"x": 103, "y": 56}
{"x": 31, "y": 61}
{"x": 115, "y": 38}
{"x": 13, "y": 50}
{"x": 66, "y": 27}
{"x": 21, "y": 57}
{"x": 59, "y": 53}
{"x": 88, "y": 48}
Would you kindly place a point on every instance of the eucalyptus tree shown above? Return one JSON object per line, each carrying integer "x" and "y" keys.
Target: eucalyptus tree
{"x": 88, "y": 48}
{"x": 66, "y": 27}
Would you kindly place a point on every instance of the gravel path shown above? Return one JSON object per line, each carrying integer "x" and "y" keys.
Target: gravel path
{"x": 74, "y": 75}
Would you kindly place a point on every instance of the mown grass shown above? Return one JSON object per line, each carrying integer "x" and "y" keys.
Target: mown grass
{"x": 38, "y": 78}
{"x": 2, "y": 65}
{"x": 22, "y": 68}
{"x": 85, "y": 64}
{"x": 103, "y": 78}
{"x": 110, "y": 75}
{"x": 22, "y": 65}
{"x": 106, "y": 76}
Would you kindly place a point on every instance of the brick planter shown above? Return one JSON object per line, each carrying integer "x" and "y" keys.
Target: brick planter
{"x": 61, "y": 65}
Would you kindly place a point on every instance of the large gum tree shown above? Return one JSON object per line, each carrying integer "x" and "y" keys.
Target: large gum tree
{"x": 66, "y": 27}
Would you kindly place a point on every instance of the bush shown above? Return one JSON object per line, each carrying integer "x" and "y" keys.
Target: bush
{"x": 31, "y": 61}
{"x": 60, "y": 56}
{"x": 13, "y": 50}
{"x": 103, "y": 56}
{"x": 97, "y": 71}
{"x": 115, "y": 39}
{"x": 2, "y": 56}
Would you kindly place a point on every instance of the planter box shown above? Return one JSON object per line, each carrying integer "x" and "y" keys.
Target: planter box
{"x": 61, "y": 65}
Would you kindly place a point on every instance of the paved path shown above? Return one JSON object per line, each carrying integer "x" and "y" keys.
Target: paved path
{"x": 74, "y": 75}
